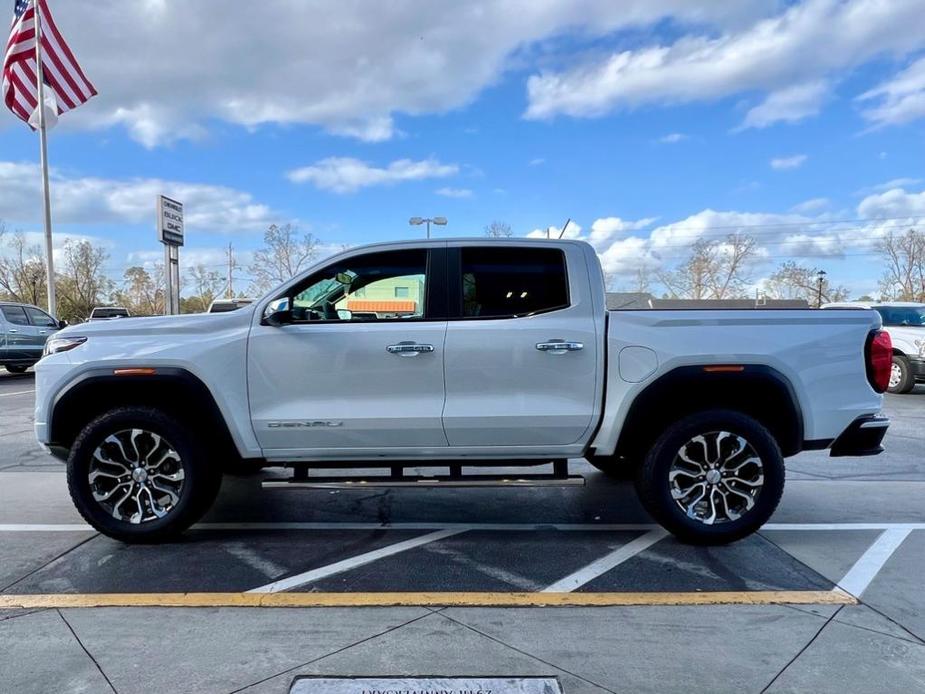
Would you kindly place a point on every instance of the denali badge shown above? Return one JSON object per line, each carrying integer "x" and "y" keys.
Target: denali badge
{"x": 303, "y": 425}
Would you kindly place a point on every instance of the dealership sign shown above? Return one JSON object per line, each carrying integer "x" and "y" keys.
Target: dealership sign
{"x": 169, "y": 221}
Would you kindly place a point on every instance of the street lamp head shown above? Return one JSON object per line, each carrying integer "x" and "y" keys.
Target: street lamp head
{"x": 415, "y": 221}
{"x": 440, "y": 221}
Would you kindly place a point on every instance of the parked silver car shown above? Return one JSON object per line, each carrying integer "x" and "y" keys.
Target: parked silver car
{"x": 23, "y": 331}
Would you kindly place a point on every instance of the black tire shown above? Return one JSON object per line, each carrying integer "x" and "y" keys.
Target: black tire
{"x": 655, "y": 489}
{"x": 202, "y": 477}
{"x": 906, "y": 381}
{"x": 16, "y": 369}
{"x": 615, "y": 467}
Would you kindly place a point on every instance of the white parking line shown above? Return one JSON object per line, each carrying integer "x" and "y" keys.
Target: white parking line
{"x": 606, "y": 527}
{"x": 606, "y": 563}
{"x": 868, "y": 566}
{"x": 352, "y": 562}
{"x": 18, "y": 392}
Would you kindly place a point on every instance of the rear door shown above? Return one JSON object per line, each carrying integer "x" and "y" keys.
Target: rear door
{"x": 17, "y": 330}
{"x": 522, "y": 350}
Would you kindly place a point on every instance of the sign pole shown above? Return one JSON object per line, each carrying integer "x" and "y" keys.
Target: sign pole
{"x": 170, "y": 233}
{"x": 43, "y": 149}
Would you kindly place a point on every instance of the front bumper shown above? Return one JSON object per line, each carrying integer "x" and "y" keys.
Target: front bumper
{"x": 917, "y": 367}
{"x": 862, "y": 437}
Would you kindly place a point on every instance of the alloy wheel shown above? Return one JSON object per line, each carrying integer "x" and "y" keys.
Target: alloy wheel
{"x": 136, "y": 476}
{"x": 716, "y": 477}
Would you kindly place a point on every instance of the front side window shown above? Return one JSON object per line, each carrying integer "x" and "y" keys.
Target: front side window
{"x": 378, "y": 286}
{"x": 507, "y": 282}
{"x": 40, "y": 318}
{"x": 14, "y": 315}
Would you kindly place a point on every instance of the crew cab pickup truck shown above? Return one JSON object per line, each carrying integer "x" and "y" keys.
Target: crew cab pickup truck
{"x": 464, "y": 354}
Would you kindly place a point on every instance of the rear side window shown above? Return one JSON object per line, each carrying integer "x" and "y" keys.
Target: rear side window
{"x": 14, "y": 315}
{"x": 510, "y": 282}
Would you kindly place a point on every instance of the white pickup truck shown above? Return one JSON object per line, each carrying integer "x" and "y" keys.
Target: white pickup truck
{"x": 463, "y": 354}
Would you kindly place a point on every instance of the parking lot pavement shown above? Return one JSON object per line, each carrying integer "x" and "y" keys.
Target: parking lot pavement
{"x": 826, "y": 598}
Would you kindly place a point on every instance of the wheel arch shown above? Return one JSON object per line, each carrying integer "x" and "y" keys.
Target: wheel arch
{"x": 758, "y": 391}
{"x": 173, "y": 390}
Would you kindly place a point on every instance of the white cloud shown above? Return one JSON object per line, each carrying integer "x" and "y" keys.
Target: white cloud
{"x": 92, "y": 200}
{"x": 811, "y": 205}
{"x": 672, "y": 138}
{"x": 901, "y": 99}
{"x": 895, "y": 203}
{"x": 454, "y": 192}
{"x": 347, "y": 67}
{"x": 896, "y": 183}
{"x": 784, "y": 163}
{"x": 789, "y": 105}
{"x": 801, "y": 45}
{"x": 347, "y": 175}
{"x": 537, "y": 161}
{"x": 573, "y": 231}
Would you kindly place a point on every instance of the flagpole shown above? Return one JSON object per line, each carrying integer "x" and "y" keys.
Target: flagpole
{"x": 43, "y": 140}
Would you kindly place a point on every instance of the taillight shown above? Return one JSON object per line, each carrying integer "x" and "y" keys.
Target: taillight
{"x": 879, "y": 359}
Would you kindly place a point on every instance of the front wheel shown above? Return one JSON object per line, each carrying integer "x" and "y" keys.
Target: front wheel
{"x": 712, "y": 477}
{"x": 136, "y": 474}
{"x": 901, "y": 378}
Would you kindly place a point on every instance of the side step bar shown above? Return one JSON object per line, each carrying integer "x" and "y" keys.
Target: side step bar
{"x": 301, "y": 479}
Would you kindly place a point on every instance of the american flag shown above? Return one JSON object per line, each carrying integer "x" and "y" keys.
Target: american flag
{"x": 62, "y": 75}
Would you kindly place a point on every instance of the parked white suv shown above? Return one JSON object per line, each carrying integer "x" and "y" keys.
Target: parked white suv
{"x": 905, "y": 322}
{"x": 467, "y": 353}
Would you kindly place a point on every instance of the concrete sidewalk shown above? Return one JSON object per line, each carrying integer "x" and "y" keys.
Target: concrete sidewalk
{"x": 647, "y": 649}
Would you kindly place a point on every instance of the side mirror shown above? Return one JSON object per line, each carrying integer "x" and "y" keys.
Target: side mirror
{"x": 62, "y": 324}
{"x": 344, "y": 314}
{"x": 277, "y": 312}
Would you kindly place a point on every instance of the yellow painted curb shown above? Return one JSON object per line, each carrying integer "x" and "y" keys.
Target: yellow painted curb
{"x": 764, "y": 597}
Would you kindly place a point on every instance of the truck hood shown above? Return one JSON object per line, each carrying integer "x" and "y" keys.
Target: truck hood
{"x": 908, "y": 339}
{"x": 192, "y": 323}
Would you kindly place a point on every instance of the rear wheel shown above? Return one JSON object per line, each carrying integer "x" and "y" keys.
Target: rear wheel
{"x": 901, "y": 378}
{"x": 136, "y": 474}
{"x": 712, "y": 477}
{"x": 16, "y": 369}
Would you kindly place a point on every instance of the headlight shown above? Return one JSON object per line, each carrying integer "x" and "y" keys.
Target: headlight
{"x": 62, "y": 344}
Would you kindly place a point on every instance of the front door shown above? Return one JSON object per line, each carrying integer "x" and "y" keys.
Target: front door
{"x": 41, "y": 327}
{"x": 523, "y": 354}
{"x": 358, "y": 368}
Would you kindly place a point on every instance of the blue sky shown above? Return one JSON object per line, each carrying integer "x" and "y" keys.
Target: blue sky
{"x": 650, "y": 124}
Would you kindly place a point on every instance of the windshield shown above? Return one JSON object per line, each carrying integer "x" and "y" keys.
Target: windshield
{"x": 907, "y": 316}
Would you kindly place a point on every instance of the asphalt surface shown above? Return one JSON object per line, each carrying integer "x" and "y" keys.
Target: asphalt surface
{"x": 846, "y": 527}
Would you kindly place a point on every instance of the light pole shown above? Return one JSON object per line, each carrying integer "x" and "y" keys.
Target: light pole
{"x": 418, "y": 221}
{"x": 820, "y": 278}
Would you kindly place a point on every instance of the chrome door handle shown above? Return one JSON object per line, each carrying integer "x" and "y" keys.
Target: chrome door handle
{"x": 408, "y": 349}
{"x": 43, "y": 332}
{"x": 13, "y": 330}
{"x": 559, "y": 346}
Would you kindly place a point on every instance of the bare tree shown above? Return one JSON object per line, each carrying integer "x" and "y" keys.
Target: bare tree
{"x": 499, "y": 230}
{"x": 22, "y": 271}
{"x": 904, "y": 277}
{"x": 794, "y": 281}
{"x": 207, "y": 285}
{"x": 142, "y": 293}
{"x": 715, "y": 269}
{"x": 284, "y": 255}
{"x": 81, "y": 280}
